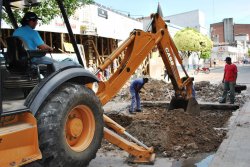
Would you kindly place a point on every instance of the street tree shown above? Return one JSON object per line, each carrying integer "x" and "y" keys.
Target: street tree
{"x": 190, "y": 40}
{"x": 48, "y": 9}
{"x": 206, "y": 47}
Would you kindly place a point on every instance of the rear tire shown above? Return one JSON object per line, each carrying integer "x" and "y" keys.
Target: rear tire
{"x": 59, "y": 147}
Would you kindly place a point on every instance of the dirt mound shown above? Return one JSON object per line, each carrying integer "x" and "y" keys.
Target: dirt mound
{"x": 159, "y": 90}
{"x": 122, "y": 119}
{"x": 154, "y": 90}
{"x": 207, "y": 92}
{"x": 176, "y": 133}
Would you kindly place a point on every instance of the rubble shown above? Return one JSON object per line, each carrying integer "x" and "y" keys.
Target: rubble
{"x": 159, "y": 90}
{"x": 176, "y": 133}
{"x": 154, "y": 90}
{"x": 207, "y": 92}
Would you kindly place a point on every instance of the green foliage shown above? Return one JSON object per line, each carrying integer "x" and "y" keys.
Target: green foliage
{"x": 187, "y": 40}
{"x": 205, "y": 54}
{"x": 190, "y": 40}
{"x": 48, "y": 9}
{"x": 249, "y": 52}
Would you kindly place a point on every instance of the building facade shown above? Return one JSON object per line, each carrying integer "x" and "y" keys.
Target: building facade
{"x": 193, "y": 19}
{"x": 93, "y": 19}
{"x": 98, "y": 31}
{"x": 230, "y": 39}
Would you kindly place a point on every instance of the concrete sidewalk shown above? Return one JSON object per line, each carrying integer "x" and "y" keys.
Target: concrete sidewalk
{"x": 235, "y": 150}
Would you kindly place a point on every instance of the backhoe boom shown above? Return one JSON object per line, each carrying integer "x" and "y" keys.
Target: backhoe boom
{"x": 136, "y": 48}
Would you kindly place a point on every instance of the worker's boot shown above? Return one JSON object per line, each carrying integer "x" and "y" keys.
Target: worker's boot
{"x": 131, "y": 112}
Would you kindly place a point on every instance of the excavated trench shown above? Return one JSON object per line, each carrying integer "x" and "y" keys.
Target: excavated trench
{"x": 175, "y": 133}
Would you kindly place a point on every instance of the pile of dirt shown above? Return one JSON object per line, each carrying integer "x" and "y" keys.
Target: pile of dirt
{"x": 207, "y": 92}
{"x": 159, "y": 90}
{"x": 154, "y": 90}
{"x": 177, "y": 133}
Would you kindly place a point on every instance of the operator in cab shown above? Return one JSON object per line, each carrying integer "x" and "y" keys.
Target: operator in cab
{"x": 135, "y": 88}
{"x": 31, "y": 38}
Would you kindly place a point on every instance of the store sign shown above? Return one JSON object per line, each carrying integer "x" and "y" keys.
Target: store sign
{"x": 221, "y": 49}
{"x": 103, "y": 13}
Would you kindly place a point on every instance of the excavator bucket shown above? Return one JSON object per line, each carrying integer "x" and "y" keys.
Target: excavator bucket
{"x": 190, "y": 105}
{"x": 18, "y": 140}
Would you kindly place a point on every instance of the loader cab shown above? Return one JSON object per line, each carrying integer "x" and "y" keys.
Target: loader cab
{"x": 18, "y": 71}
{"x": 18, "y": 74}
{"x": 21, "y": 116}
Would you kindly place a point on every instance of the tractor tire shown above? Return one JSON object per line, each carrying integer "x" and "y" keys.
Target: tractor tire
{"x": 70, "y": 127}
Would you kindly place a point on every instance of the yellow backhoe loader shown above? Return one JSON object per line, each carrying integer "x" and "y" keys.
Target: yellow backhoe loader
{"x": 61, "y": 121}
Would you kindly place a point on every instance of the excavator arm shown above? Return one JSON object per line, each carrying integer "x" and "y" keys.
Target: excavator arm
{"x": 170, "y": 54}
{"x": 136, "y": 49}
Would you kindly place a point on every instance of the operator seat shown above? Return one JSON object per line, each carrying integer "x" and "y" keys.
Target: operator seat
{"x": 21, "y": 72}
{"x": 18, "y": 59}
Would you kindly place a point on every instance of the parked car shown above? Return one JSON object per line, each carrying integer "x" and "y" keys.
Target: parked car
{"x": 245, "y": 61}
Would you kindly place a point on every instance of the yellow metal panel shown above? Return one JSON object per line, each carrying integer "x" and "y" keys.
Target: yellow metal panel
{"x": 19, "y": 141}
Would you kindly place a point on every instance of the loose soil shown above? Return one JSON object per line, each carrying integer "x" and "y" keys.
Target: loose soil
{"x": 175, "y": 133}
{"x": 159, "y": 90}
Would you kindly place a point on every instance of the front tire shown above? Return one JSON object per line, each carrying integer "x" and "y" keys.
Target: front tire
{"x": 70, "y": 127}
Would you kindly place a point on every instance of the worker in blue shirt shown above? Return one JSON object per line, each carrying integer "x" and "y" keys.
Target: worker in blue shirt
{"x": 183, "y": 79}
{"x": 135, "y": 88}
{"x": 31, "y": 38}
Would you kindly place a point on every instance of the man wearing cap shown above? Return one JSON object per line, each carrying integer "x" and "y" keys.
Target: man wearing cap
{"x": 229, "y": 80}
{"x": 31, "y": 37}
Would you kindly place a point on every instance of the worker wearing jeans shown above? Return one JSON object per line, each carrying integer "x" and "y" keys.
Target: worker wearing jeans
{"x": 229, "y": 80}
{"x": 228, "y": 86}
{"x": 135, "y": 88}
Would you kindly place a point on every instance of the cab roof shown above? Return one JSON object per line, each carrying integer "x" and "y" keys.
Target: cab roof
{"x": 22, "y": 3}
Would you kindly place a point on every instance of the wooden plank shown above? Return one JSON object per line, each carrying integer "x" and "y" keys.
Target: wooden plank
{"x": 62, "y": 41}
{"x": 44, "y": 37}
{"x": 3, "y": 43}
{"x": 218, "y": 106}
{"x": 108, "y": 46}
{"x": 203, "y": 106}
{"x": 50, "y": 39}
{"x": 102, "y": 46}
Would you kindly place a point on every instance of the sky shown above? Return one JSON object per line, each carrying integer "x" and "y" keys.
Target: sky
{"x": 214, "y": 10}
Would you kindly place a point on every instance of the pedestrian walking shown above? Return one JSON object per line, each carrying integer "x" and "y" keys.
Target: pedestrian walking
{"x": 229, "y": 80}
{"x": 135, "y": 88}
{"x": 214, "y": 63}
